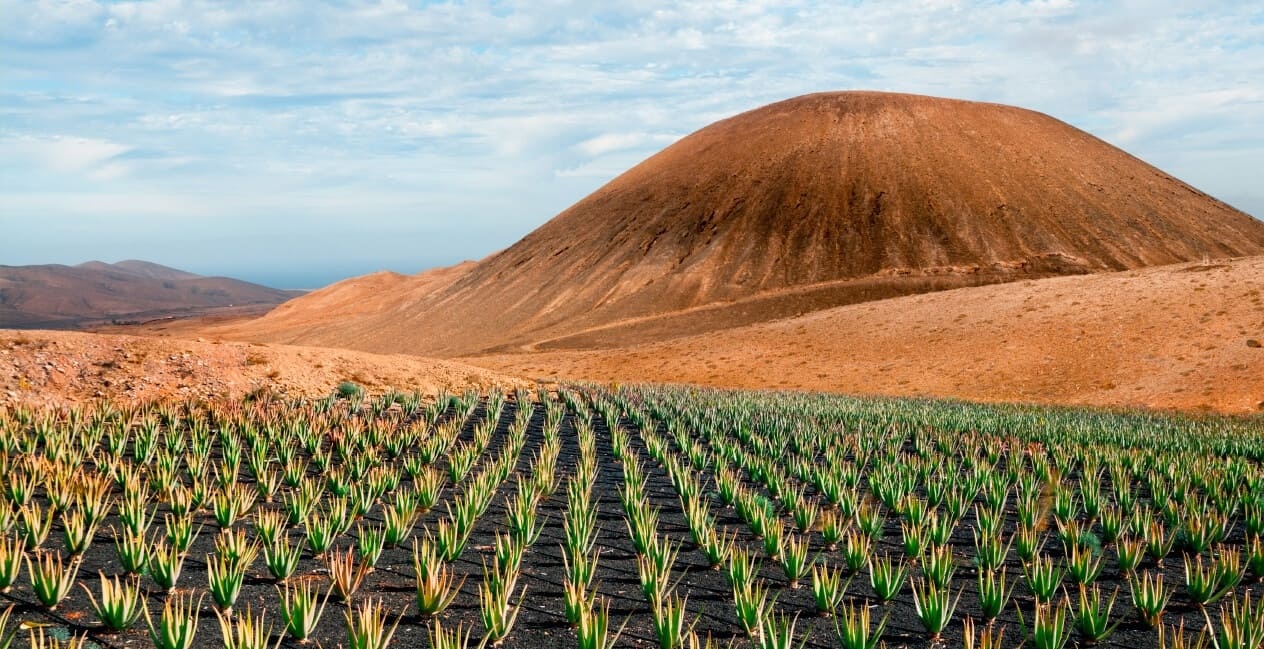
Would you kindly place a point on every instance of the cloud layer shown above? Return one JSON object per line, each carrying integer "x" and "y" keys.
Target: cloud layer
{"x": 242, "y": 137}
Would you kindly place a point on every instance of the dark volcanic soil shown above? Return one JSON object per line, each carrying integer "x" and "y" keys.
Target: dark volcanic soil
{"x": 540, "y": 623}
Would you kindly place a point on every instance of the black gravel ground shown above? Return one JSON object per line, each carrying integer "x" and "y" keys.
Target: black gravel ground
{"x": 541, "y": 623}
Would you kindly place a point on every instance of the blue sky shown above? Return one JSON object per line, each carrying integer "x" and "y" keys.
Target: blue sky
{"x": 294, "y": 142}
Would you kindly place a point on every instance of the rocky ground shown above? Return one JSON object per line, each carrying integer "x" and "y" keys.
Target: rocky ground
{"x": 47, "y": 368}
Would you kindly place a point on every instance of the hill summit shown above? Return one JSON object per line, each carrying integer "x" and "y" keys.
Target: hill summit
{"x": 809, "y": 203}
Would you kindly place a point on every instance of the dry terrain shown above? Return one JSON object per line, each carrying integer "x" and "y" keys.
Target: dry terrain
{"x": 811, "y": 203}
{"x": 851, "y": 242}
{"x": 1188, "y": 336}
{"x": 54, "y": 367}
{"x": 54, "y": 296}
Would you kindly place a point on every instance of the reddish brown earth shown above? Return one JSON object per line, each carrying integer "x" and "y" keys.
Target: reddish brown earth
{"x": 807, "y": 204}
{"x": 49, "y": 368}
{"x": 1187, "y": 336}
{"x": 53, "y": 296}
{"x": 359, "y": 312}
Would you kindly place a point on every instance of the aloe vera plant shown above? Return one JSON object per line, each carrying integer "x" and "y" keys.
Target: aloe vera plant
{"x": 458, "y": 638}
{"x": 1050, "y": 628}
{"x": 828, "y": 588}
{"x": 994, "y": 595}
{"x": 934, "y": 606}
{"x": 244, "y": 631}
{"x": 38, "y": 639}
{"x": 281, "y": 559}
{"x": 301, "y": 606}
{"x": 1241, "y": 625}
{"x": 1092, "y": 614}
{"x": 669, "y": 621}
{"x": 592, "y": 630}
{"x": 1129, "y": 553}
{"x": 165, "y": 564}
{"x": 368, "y": 626}
{"x": 1044, "y": 578}
{"x": 1083, "y": 566}
{"x": 857, "y": 550}
{"x": 794, "y": 559}
{"x": 887, "y": 577}
{"x": 497, "y": 609}
{"x": 6, "y": 636}
{"x": 777, "y": 632}
{"x": 346, "y": 573}
{"x": 989, "y": 637}
{"x": 1150, "y": 597}
{"x": 752, "y": 604}
{"x": 177, "y": 623}
{"x": 226, "y": 573}
{"x": 436, "y": 582}
{"x": 854, "y": 627}
{"x": 11, "y": 556}
{"x": 120, "y": 604}
{"x": 51, "y": 578}
{"x": 938, "y": 566}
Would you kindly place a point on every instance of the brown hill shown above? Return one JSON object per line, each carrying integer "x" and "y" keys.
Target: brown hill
{"x": 358, "y": 313}
{"x": 810, "y": 203}
{"x": 63, "y": 297}
{"x": 1188, "y": 336}
{"x": 142, "y": 268}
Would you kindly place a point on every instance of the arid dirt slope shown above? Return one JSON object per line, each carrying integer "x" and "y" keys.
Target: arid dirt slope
{"x": 53, "y": 296}
{"x": 55, "y": 367}
{"x": 1188, "y": 336}
{"x": 811, "y": 203}
{"x": 358, "y": 313}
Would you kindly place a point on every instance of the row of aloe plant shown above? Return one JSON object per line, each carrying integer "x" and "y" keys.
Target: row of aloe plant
{"x": 587, "y": 612}
{"x": 929, "y": 510}
{"x": 144, "y": 460}
{"x": 825, "y": 489}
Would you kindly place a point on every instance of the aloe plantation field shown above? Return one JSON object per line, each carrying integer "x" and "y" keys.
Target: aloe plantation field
{"x": 627, "y": 516}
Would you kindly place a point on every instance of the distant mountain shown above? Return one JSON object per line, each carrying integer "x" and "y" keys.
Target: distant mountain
{"x": 807, "y": 204}
{"x": 54, "y": 296}
{"x": 142, "y": 268}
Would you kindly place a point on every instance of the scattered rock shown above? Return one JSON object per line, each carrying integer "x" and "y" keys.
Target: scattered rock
{"x": 1251, "y": 342}
{"x": 91, "y": 366}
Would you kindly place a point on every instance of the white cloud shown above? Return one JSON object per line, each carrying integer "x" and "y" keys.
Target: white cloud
{"x": 610, "y": 142}
{"x": 62, "y": 153}
{"x": 511, "y": 111}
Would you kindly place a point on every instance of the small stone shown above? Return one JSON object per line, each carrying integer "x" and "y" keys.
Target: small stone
{"x": 1251, "y": 342}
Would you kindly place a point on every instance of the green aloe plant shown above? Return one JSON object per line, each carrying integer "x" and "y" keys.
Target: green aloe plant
{"x": 120, "y": 605}
{"x": 177, "y": 623}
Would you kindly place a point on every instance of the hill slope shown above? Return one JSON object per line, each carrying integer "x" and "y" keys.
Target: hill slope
{"x": 1188, "y": 336}
{"x": 142, "y": 268}
{"x": 810, "y": 203}
{"x": 52, "y": 368}
{"x": 61, "y": 297}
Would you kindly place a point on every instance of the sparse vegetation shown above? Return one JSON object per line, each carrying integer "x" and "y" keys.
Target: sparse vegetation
{"x": 349, "y": 390}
